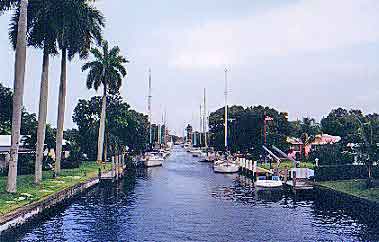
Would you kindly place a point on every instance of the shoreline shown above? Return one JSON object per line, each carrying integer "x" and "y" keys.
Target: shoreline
{"x": 28, "y": 212}
{"x": 345, "y": 197}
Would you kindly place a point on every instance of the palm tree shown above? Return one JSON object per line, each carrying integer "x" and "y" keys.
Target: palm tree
{"x": 42, "y": 34}
{"x": 107, "y": 70}
{"x": 78, "y": 25}
{"x": 19, "y": 78}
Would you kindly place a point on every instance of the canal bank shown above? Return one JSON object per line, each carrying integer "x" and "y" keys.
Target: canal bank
{"x": 351, "y": 192}
{"x": 32, "y": 200}
{"x": 184, "y": 200}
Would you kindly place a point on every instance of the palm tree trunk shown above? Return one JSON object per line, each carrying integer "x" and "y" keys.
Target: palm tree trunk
{"x": 42, "y": 113}
{"x": 106, "y": 146}
{"x": 19, "y": 77}
{"x": 100, "y": 140}
{"x": 61, "y": 110}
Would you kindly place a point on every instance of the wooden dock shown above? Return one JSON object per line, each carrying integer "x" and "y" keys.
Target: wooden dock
{"x": 299, "y": 185}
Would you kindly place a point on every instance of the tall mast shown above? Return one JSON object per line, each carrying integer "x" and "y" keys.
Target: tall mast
{"x": 201, "y": 126}
{"x": 149, "y": 108}
{"x": 226, "y": 109}
{"x": 164, "y": 129}
{"x": 205, "y": 120}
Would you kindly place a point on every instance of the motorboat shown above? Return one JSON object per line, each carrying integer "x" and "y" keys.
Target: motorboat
{"x": 274, "y": 182}
{"x": 153, "y": 159}
{"x": 225, "y": 167}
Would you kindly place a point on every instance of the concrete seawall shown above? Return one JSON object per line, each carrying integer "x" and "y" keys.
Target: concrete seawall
{"x": 26, "y": 213}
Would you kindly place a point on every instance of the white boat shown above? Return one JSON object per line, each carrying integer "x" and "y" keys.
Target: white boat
{"x": 153, "y": 159}
{"x": 226, "y": 167}
{"x": 274, "y": 182}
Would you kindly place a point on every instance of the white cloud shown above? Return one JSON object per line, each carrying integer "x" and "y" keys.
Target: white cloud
{"x": 306, "y": 26}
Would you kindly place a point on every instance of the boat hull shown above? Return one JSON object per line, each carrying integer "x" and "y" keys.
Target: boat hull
{"x": 268, "y": 184}
{"x": 226, "y": 168}
{"x": 152, "y": 163}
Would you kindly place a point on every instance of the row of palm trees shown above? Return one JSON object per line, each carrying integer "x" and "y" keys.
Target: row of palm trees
{"x": 69, "y": 27}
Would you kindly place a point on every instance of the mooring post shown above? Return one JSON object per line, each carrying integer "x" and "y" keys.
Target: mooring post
{"x": 113, "y": 166}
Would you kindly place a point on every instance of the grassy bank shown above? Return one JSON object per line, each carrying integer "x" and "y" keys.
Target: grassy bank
{"x": 355, "y": 188}
{"x": 28, "y": 192}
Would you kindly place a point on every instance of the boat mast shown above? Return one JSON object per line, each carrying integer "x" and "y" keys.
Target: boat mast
{"x": 201, "y": 126}
{"x": 226, "y": 109}
{"x": 205, "y": 120}
{"x": 149, "y": 109}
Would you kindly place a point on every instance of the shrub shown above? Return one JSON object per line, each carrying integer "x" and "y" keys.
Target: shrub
{"x": 331, "y": 155}
{"x": 344, "y": 172}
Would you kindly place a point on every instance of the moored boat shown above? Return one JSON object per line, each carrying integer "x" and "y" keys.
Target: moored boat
{"x": 153, "y": 159}
{"x": 273, "y": 182}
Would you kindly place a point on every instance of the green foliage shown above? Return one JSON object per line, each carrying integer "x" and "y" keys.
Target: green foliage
{"x": 124, "y": 127}
{"x": 344, "y": 172}
{"x": 27, "y": 189}
{"x": 343, "y": 123}
{"x": 335, "y": 154}
{"x": 5, "y": 110}
{"x": 246, "y": 129}
{"x": 28, "y": 121}
{"x": 107, "y": 69}
{"x": 306, "y": 126}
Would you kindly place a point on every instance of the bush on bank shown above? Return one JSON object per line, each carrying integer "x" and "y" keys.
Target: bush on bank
{"x": 344, "y": 172}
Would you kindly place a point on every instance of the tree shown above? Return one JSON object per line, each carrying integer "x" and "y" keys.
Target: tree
{"x": 42, "y": 33}
{"x": 343, "y": 123}
{"x": 107, "y": 70}
{"x": 5, "y": 110}
{"x": 19, "y": 78}
{"x": 78, "y": 24}
{"x": 125, "y": 127}
{"x": 246, "y": 132}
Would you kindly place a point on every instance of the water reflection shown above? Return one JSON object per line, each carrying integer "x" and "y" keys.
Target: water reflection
{"x": 185, "y": 201}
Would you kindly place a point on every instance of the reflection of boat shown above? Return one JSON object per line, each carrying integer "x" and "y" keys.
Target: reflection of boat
{"x": 153, "y": 159}
{"x": 274, "y": 182}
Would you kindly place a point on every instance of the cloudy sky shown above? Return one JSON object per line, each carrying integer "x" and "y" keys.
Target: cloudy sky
{"x": 300, "y": 56}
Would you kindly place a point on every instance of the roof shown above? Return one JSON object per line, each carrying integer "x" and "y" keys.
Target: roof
{"x": 320, "y": 139}
{"x": 4, "y": 149}
{"x": 5, "y": 140}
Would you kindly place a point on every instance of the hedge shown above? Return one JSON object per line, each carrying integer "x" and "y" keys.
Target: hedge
{"x": 344, "y": 172}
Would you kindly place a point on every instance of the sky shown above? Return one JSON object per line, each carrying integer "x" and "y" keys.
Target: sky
{"x": 304, "y": 57}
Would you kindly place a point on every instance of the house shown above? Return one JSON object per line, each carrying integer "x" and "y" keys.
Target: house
{"x": 5, "y": 146}
{"x": 297, "y": 148}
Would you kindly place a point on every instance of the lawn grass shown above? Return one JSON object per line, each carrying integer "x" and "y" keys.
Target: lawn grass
{"x": 28, "y": 192}
{"x": 356, "y": 188}
{"x": 288, "y": 164}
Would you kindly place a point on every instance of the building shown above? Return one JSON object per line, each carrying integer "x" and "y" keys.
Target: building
{"x": 5, "y": 146}
{"x": 298, "y": 150}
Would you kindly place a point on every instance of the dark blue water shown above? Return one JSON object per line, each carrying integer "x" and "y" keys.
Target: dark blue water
{"x": 185, "y": 201}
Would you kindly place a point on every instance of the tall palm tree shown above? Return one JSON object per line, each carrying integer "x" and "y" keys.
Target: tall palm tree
{"x": 79, "y": 23}
{"x": 41, "y": 34}
{"x": 19, "y": 77}
{"x": 107, "y": 70}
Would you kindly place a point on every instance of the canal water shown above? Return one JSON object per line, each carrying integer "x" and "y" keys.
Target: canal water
{"x": 185, "y": 201}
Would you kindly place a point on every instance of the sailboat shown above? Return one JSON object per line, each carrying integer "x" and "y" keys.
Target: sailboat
{"x": 151, "y": 159}
{"x": 226, "y": 164}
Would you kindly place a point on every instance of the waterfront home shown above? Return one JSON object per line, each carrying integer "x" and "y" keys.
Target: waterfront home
{"x": 298, "y": 149}
{"x": 5, "y": 146}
